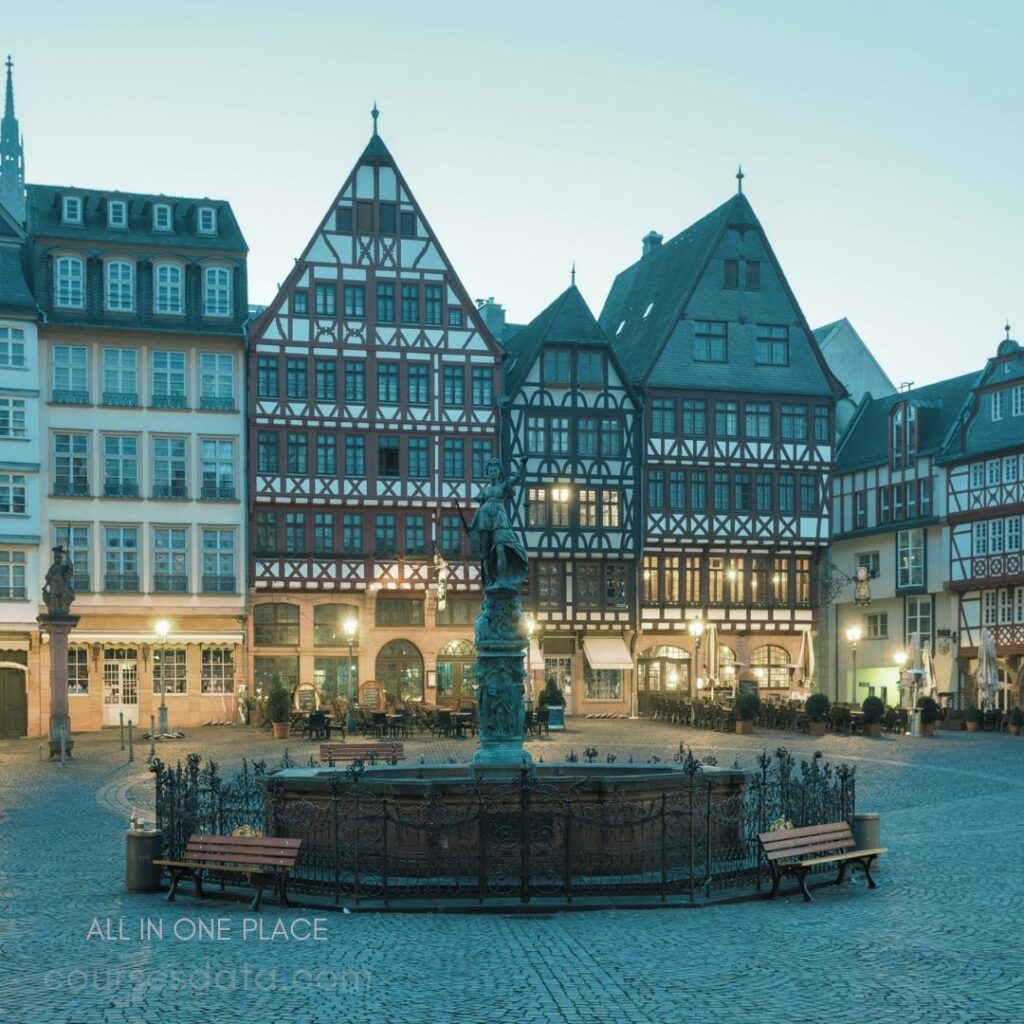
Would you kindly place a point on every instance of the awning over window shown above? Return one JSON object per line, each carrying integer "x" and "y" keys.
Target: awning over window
{"x": 607, "y": 652}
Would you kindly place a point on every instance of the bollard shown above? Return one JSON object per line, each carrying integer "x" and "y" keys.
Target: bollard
{"x": 152, "y": 739}
{"x": 120, "y": 715}
{"x": 131, "y": 748}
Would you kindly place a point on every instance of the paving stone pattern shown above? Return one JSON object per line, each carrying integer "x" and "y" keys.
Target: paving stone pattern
{"x": 938, "y": 941}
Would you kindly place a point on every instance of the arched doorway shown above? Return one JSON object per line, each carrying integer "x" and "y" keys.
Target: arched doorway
{"x": 456, "y": 672}
{"x": 13, "y": 703}
{"x": 400, "y": 670}
{"x": 662, "y": 671}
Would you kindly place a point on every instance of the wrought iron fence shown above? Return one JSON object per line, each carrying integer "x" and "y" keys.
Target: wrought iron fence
{"x": 527, "y": 839}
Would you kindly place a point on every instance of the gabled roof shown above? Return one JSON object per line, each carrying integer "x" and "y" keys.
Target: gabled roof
{"x": 15, "y": 294}
{"x": 567, "y": 321}
{"x": 43, "y": 217}
{"x": 647, "y": 299}
{"x": 939, "y": 407}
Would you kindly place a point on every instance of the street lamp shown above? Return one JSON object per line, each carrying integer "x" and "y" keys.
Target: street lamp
{"x": 696, "y": 630}
{"x": 853, "y": 635}
{"x": 162, "y": 628}
{"x": 900, "y": 658}
{"x": 673, "y": 678}
{"x": 350, "y": 627}
{"x": 530, "y": 625}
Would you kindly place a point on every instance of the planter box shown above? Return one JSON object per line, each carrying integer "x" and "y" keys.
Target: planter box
{"x": 281, "y": 730}
{"x": 816, "y": 728}
{"x": 928, "y": 730}
{"x": 971, "y": 726}
{"x": 873, "y": 729}
{"x": 1014, "y": 730}
{"x": 744, "y": 728}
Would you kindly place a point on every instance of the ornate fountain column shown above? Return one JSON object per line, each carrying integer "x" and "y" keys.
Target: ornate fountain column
{"x": 500, "y": 638}
{"x": 58, "y": 593}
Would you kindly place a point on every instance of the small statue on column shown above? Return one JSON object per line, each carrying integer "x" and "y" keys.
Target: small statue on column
{"x": 58, "y": 594}
{"x": 59, "y": 587}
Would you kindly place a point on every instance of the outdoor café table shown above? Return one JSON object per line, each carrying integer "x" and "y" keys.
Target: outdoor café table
{"x": 461, "y": 720}
{"x": 392, "y": 722}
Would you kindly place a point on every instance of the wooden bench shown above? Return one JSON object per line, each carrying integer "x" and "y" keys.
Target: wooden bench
{"x": 258, "y": 858}
{"x": 795, "y": 851}
{"x": 371, "y": 752}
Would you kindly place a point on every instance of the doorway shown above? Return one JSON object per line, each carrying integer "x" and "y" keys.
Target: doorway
{"x": 120, "y": 685}
{"x": 456, "y": 673}
{"x": 13, "y": 704}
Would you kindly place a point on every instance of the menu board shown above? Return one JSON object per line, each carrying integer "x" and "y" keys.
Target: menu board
{"x": 748, "y": 686}
{"x": 371, "y": 695}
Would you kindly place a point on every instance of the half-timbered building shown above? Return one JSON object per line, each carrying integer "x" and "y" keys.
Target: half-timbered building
{"x": 571, "y": 424}
{"x": 888, "y": 521}
{"x": 372, "y": 417}
{"x": 985, "y": 497}
{"x": 738, "y": 426}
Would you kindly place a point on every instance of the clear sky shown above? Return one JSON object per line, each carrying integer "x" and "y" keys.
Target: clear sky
{"x": 882, "y": 142}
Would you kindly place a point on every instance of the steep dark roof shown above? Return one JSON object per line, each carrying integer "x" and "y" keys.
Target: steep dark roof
{"x": 663, "y": 280}
{"x": 939, "y": 407}
{"x": 44, "y": 219}
{"x": 567, "y": 321}
{"x": 15, "y": 294}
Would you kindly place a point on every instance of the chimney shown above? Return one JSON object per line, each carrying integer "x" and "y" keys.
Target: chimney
{"x": 493, "y": 315}
{"x": 651, "y": 241}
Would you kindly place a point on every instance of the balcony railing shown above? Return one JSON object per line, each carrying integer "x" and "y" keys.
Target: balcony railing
{"x": 218, "y": 584}
{"x": 66, "y": 396}
{"x": 217, "y": 404}
{"x": 170, "y": 491}
{"x": 13, "y": 593}
{"x": 80, "y": 581}
{"x": 168, "y": 402}
{"x": 170, "y": 583}
{"x": 14, "y": 433}
{"x": 218, "y": 492}
{"x": 120, "y": 489}
{"x": 121, "y": 582}
{"x": 127, "y": 399}
{"x": 71, "y": 488}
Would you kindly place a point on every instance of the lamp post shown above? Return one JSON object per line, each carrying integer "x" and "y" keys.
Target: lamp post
{"x": 350, "y": 627}
{"x": 901, "y": 660}
{"x": 853, "y": 636}
{"x": 531, "y": 626}
{"x": 696, "y": 630}
{"x": 162, "y": 628}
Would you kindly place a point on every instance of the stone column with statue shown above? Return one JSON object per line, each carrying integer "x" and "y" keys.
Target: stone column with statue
{"x": 500, "y": 635}
{"x": 58, "y": 595}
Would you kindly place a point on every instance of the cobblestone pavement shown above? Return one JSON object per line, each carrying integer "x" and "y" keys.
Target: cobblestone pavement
{"x": 938, "y": 941}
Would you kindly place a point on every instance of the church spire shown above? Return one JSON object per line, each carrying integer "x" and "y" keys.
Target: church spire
{"x": 12, "y": 155}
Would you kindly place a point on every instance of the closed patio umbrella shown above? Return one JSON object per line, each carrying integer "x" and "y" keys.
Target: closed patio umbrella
{"x": 805, "y": 658}
{"x": 928, "y": 686}
{"x": 988, "y": 670}
{"x": 711, "y": 652}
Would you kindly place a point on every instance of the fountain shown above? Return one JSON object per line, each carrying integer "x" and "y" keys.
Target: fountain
{"x": 499, "y": 826}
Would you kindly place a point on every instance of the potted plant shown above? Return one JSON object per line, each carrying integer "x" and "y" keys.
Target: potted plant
{"x": 874, "y": 709}
{"x": 929, "y": 709}
{"x": 279, "y": 709}
{"x": 972, "y": 718}
{"x": 746, "y": 707}
{"x": 816, "y": 708}
{"x": 1016, "y": 721}
{"x": 553, "y": 699}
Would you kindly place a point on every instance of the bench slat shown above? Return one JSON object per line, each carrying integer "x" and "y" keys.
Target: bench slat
{"x": 830, "y": 828}
{"x": 849, "y": 855}
{"x": 203, "y": 837}
{"x": 806, "y": 850}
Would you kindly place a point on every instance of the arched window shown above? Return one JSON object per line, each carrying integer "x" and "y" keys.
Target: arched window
{"x": 664, "y": 668}
{"x": 216, "y": 291}
{"x": 120, "y": 286}
{"x": 276, "y": 625}
{"x": 168, "y": 289}
{"x": 770, "y": 665}
{"x": 456, "y": 672}
{"x": 69, "y": 282}
{"x": 400, "y": 670}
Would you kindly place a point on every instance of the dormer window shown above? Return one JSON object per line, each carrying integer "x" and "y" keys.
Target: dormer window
{"x": 904, "y": 435}
{"x": 71, "y": 210}
{"x": 161, "y": 217}
{"x": 997, "y": 406}
{"x": 117, "y": 214}
{"x": 207, "y": 220}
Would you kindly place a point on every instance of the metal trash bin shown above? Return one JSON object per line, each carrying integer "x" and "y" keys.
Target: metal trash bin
{"x": 867, "y": 831}
{"x": 915, "y": 722}
{"x": 142, "y": 847}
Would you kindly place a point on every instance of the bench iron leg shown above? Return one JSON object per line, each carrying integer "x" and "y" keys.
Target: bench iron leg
{"x": 776, "y": 881}
{"x": 198, "y": 875}
{"x": 257, "y": 899}
{"x": 282, "y": 888}
{"x": 841, "y": 877}
{"x": 866, "y": 865}
{"x": 802, "y": 879}
{"x": 174, "y": 886}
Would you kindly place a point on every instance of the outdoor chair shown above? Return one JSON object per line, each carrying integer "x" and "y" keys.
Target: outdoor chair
{"x": 316, "y": 726}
